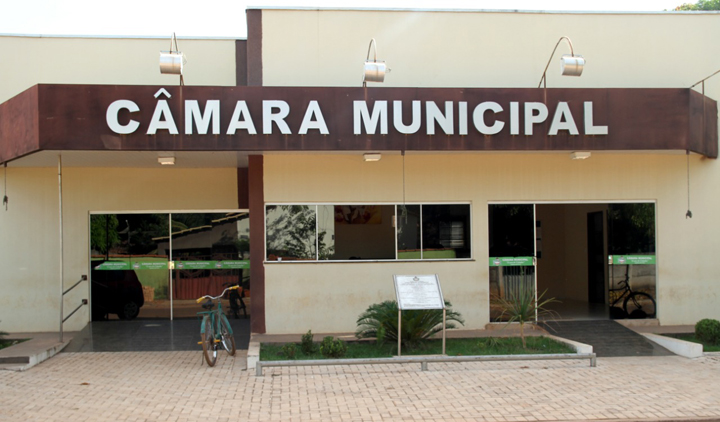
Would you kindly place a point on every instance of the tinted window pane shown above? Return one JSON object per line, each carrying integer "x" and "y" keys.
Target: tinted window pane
{"x": 511, "y": 230}
{"x": 446, "y": 231}
{"x": 361, "y": 232}
{"x": 326, "y": 231}
{"x": 211, "y": 252}
{"x": 632, "y": 228}
{"x": 408, "y": 231}
{"x": 129, "y": 275}
{"x": 290, "y": 232}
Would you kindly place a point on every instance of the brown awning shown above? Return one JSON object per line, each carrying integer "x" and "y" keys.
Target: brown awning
{"x": 193, "y": 118}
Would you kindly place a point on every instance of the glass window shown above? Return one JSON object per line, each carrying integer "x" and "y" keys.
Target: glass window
{"x": 367, "y": 232}
{"x": 446, "y": 231}
{"x": 408, "y": 232}
{"x": 362, "y": 232}
{"x": 291, "y": 232}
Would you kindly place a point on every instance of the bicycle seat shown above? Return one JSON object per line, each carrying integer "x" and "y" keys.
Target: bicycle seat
{"x": 209, "y": 304}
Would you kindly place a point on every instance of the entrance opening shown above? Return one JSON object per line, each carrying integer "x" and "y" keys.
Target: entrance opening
{"x": 151, "y": 267}
{"x": 597, "y": 260}
{"x": 155, "y": 265}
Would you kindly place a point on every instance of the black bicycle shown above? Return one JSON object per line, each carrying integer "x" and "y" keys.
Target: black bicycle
{"x": 237, "y": 304}
{"x": 635, "y": 305}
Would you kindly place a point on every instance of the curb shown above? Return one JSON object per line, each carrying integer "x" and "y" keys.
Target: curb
{"x": 682, "y": 348}
{"x": 253, "y": 355}
{"x": 27, "y": 354}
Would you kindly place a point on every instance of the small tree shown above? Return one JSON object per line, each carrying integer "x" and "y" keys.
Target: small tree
{"x": 306, "y": 343}
{"x": 521, "y": 306}
{"x": 417, "y": 325}
{"x": 700, "y": 5}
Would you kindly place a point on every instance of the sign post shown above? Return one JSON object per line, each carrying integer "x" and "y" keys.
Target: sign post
{"x": 418, "y": 292}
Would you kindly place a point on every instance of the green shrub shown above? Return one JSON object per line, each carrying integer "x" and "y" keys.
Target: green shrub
{"x": 417, "y": 325}
{"x": 380, "y": 336}
{"x": 289, "y": 350}
{"x": 307, "y": 345}
{"x": 489, "y": 343}
{"x": 331, "y": 348}
{"x": 708, "y": 330}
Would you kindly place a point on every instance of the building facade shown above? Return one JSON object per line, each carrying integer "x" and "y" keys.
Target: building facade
{"x": 476, "y": 180}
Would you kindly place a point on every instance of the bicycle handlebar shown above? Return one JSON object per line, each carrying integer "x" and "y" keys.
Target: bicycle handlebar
{"x": 217, "y": 297}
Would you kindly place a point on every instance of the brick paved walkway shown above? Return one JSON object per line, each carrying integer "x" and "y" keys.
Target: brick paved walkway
{"x": 176, "y": 386}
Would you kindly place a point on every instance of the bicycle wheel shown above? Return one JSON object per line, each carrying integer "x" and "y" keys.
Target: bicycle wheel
{"x": 226, "y": 335}
{"x": 639, "y": 305}
{"x": 208, "y": 342}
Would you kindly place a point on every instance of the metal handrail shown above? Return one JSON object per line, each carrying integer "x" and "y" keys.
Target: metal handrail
{"x": 82, "y": 303}
{"x": 82, "y": 278}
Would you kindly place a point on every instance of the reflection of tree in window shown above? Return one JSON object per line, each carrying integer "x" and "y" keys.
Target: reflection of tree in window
{"x": 291, "y": 233}
{"x": 408, "y": 227}
{"x": 104, "y": 233}
{"x": 632, "y": 228}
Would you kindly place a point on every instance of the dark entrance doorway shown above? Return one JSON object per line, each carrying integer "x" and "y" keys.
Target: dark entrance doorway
{"x": 596, "y": 259}
{"x": 596, "y": 256}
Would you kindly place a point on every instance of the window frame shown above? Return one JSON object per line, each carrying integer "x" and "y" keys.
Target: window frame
{"x": 395, "y": 227}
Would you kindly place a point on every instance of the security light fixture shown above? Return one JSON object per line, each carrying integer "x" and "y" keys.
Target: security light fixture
{"x": 372, "y": 156}
{"x": 572, "y": 64}
{"x": 580, "y": 155}
{"x": 166, "y": 161}
{"x": 374, "y": 70}
{"x": 172, "y": 62}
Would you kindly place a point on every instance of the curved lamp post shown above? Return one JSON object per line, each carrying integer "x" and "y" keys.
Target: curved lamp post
{"x": 572, "y": 65}
{"x": 172, "y": 62}
{"x": 374, "y": 70}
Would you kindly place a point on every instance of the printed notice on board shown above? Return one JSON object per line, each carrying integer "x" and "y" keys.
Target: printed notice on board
{"x": 418, "y": 292}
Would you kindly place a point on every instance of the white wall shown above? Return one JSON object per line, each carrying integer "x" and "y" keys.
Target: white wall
{"x": 30, "y": 235}
{"x": 327, "y": 297}
{"x": 488, "y": 49}
{"x": 480, "y": 49}
{"x": 68, "y": 60}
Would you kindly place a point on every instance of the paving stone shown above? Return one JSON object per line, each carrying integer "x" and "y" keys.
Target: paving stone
{"x": 177, "y": 386}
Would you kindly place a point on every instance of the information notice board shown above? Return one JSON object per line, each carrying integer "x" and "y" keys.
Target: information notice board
{"x": 416, "y": 292}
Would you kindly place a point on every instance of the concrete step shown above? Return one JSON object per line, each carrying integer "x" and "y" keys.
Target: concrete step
{"x": 37, "y": 348}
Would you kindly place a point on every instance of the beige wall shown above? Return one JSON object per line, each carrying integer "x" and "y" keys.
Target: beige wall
{"x": 327, "y": 297}
{"x": 481, "y": 49}
{"x": 477, "y": 49}
{"x": 109, "y": 61}
{"x": 30, "y": 237}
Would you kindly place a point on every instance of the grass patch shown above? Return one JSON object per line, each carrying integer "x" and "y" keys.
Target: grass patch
{"x": 453, "y": 347}
{"x": 707, "y": 347}
{"x": 8, "y": 343}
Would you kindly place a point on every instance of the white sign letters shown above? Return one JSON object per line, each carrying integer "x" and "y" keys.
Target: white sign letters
{"x": 368, "y": 118}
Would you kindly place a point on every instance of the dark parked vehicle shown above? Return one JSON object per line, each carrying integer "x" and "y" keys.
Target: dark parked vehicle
{"x": 115, "y": 292}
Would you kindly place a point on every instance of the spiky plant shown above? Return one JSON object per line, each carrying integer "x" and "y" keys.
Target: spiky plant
{"x": 521, "y": 306}
{"x": 417, "y": 325}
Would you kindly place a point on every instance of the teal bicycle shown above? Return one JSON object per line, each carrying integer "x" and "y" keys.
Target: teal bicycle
{"x": 215, "y": 330}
